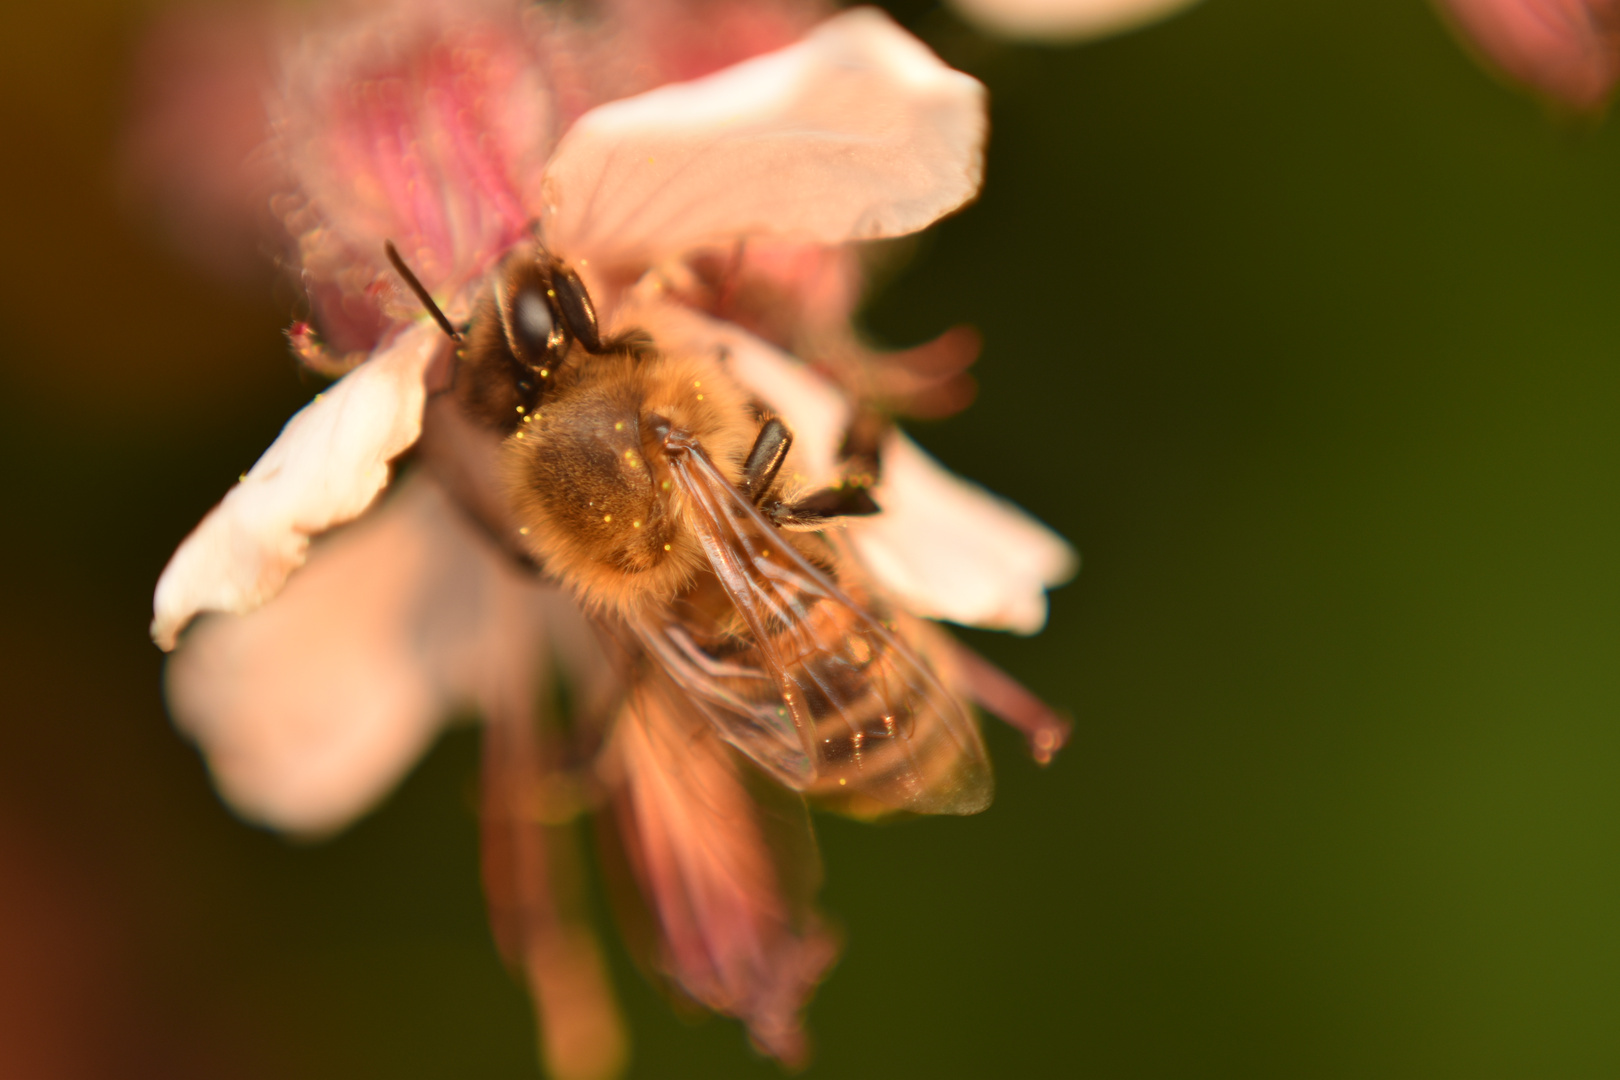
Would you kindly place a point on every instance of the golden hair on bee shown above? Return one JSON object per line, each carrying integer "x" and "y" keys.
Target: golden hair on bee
{"x": 590, "y": 478}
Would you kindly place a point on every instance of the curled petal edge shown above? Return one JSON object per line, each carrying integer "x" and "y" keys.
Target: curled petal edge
{"x": 327, "y": 465}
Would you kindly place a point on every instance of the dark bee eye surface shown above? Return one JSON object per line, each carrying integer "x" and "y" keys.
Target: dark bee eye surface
{"x": 574, "y": 304}
{"x": 533, "y": 326}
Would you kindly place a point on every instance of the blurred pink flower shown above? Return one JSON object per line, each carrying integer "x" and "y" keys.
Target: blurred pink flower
{"x": 336, "y": 652}
{"x": 1565, "y": 50}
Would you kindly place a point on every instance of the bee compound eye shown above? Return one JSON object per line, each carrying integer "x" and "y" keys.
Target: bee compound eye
{"x": 533, "y": 324}
{"x": 575, "y": 307}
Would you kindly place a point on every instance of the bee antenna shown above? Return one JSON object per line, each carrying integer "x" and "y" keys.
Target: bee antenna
{"x": 421, "y": 293}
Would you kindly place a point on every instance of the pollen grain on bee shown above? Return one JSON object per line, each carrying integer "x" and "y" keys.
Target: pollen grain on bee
{"x": 607, "y": 519}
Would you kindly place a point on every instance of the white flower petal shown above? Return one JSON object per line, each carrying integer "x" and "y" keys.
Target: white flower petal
{"x": 856, "y": 132}
{"x": 325, "y": 468}
{"x": 952, "y": 550}
{"x": 1065, "y": 20}
{"x": 311, "y": 708}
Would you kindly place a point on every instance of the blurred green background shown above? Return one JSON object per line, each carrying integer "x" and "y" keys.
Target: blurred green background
{"x": 1298, "y": 325}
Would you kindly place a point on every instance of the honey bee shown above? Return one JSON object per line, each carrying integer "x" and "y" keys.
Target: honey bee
{"x": 651, "y": 485}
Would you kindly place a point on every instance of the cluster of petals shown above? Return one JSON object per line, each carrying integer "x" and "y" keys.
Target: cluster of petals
{"x": 354, "y": 605}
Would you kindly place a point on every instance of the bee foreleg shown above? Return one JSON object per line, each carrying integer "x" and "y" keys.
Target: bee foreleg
{"x": 765, "y": 460}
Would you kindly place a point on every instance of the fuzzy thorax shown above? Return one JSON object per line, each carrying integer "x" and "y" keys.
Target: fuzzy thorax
{"x": 590, "y": 477}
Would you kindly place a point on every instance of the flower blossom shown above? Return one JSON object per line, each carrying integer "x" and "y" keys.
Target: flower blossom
{"x": 1566, "y": 50}
{"x": 366, "y": 579}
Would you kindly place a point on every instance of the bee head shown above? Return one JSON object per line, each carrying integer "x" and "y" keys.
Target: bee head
{"x": 543, "y": 308}
{"x": 534, "y": 314}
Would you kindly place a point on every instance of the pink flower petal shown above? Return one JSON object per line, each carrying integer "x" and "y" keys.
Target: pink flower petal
{"x": 423, "y": 122}
{"x": 857, "y": 132}
{"x": 951, "y": 550}
{"x": 1065, "y": 20}
{"x": 1568, "y": 50}
{"x": 533, "y": 883}
{"x": 728, "y": 880}
{"x": 325, "y": 468}
{"x": 684, "y": 39}
{"x": 780, "y": 290}
{"x": 312, "y": 707}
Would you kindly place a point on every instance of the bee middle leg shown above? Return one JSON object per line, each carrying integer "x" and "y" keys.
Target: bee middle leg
{"x": 848, "y": 498}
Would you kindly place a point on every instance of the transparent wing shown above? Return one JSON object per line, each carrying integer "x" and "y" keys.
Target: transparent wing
{"x": 740, "y": 699}
{"x": 871, "y": 717}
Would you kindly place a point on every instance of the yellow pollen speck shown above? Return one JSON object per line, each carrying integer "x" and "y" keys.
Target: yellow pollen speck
{"x": 607, "y": 518}
{"x": 842, "y": 781}
{"x": 319, "y": 396}
{"x": 700, "y": 397}
{"x": 520, "y": 410}
{"x": 665, "y": 485}
{"x": 649, "y": 161}
{"x": 526, "y": 419}
{"x": 545, "y": 373}
{"x": 242, "y": 479}
{"x": 666, "y": 547}
{"x": 552, "y": 293}
{"x": 765, "y": 554}
{"x": 696, "y": 383}
{"x": 523, "y": 530}
{"x": 520, "y": 434}
{"x": 618, "y": 425}
{"x": 635, "y": 524}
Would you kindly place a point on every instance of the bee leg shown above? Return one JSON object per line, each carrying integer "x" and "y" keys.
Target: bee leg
{"x": 819, "y": 507}
{"x": 860, "y": 450}
{"x": 851, "y": 496}
{"x": 765, "y": 460}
